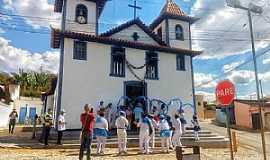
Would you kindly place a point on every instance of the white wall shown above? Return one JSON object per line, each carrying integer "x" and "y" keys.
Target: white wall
{"x": 71, "y": 23}
{"x": 89, "y": 81}
{"x": 5, "y": 110}
{"x": 127, "y": 34}
{"x": 163, "y": 26}
{"x": 178, "y": 43}
{"x": 28, "y": 102}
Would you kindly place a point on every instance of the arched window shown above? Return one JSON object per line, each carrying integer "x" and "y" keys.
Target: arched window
{"x": 81, "y": 14}
{"x": 179, "y": 34}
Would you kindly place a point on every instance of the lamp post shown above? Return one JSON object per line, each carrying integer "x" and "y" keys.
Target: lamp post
{"x": 255, "y": 9}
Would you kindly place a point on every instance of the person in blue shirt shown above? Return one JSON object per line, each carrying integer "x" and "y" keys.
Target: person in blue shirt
{"x": 138, "y": 112}
{"x": 101, "y": 132}
{"x": 165, "y": 133}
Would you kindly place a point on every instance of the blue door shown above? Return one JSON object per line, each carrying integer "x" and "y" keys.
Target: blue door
{"x": 23, "y": 112}
{"x": 32, "y": 113}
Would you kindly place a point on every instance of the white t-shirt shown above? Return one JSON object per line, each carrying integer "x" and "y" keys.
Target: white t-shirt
{"x": 177, "y": 125}
{"x": 121, "y": 122}
{"x": 163, "y": 125}
{"x": 62, "y": 125}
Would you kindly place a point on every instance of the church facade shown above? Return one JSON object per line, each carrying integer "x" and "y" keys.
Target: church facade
{"x": 131, "y": 60}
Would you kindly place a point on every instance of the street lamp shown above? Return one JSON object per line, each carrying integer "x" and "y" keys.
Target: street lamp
{"x": 255, "y": 9}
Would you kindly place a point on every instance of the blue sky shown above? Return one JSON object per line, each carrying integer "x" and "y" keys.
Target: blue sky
{"x": 222, "y": 33}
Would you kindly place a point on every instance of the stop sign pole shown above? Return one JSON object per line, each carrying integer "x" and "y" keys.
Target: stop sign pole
{"x": 225, "y": 93}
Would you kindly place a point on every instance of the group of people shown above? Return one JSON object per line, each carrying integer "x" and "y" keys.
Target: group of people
{"x": 170, "y": 129}
{"x": 97, "y": 121}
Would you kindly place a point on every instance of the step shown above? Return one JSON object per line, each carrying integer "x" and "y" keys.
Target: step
{"x": 113, "y": 144}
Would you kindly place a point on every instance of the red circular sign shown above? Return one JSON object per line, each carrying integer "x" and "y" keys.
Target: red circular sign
{"x": 225, "y": 92}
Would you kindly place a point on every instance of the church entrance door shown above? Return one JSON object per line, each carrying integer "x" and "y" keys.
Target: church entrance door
{"x": 133, "y": 90}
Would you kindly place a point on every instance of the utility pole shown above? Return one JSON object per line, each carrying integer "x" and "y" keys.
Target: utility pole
{"x": 255, "y": 9}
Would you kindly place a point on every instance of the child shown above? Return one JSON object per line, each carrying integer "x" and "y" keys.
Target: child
{"x": 121, "y": 125}
{"x": 165, "y": 133}
{"x": 196, "y": 128}
{"x": 146, "y": 129}
{"x": 177, "y": 132}
{"x": 101, "y": 132}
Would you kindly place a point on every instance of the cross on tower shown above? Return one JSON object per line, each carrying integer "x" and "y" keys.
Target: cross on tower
{"x": 135, "y": 7}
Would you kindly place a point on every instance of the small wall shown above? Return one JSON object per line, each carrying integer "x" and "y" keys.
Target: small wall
{"x": 28, "y": 102}
{"x": 220, "y": 116}
{"x": 209, "y": 114}
{"x": 5, "y": 110}
{"x": 243, "y": 115}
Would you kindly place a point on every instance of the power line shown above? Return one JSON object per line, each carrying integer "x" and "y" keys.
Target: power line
{"x": 235, "y": 68}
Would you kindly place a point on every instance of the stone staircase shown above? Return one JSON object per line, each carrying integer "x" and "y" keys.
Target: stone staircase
{"x": 207, "y": 140}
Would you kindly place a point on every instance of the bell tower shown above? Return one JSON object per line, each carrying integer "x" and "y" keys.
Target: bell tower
{"x": 173, "y": 26}
{"x": 80, "y": 15}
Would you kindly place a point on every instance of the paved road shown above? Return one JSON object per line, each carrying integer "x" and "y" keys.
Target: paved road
{"x": 247, "y": 140}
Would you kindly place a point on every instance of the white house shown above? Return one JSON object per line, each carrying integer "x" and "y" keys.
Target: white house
{"x": 131, "y": 60}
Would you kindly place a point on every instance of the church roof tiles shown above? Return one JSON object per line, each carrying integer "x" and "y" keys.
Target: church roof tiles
{"x": 172, "y": 8}
{"x": 171, "y": 11}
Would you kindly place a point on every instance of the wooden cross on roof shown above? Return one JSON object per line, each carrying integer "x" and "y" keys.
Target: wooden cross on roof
{"x": 135, "y": 7}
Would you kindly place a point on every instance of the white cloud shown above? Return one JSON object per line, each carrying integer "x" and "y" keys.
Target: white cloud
{"x": 12, "y": 58}
{"x": 223, "y": 31}
{"x": 242, "y": 77}
{"x": 265, "y": 76}
{"x": 2, "y": 31}
{"x": 203, "y": 80}
{"x": 35, "y": 8}
{"x": 231, "y": 66}
{"x": 266, "y": 60}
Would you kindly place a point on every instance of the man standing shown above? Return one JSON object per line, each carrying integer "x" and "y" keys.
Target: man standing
{"x": 176, "y": 139}
{"x": 152, "y": 136}
{"x": 61, "y": 126}
{"x": 35, "y": 122}
{"x": 87, "y": 121}
{"x": 47, "y": 124}
{"x": 108, "y": 114}
{"x": 146, "y": 129}
{"x": 12, "y": 120}
{"x": 121, "y": 125}
{"x": 165, "y": 133}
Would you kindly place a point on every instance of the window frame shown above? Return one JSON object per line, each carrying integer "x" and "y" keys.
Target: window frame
{"x": 179, "y": 36}
{"x": 156, "y": 65}
{"x": 159, "y": 32}
{"x": 179, "y": 59}
{"x": 78, "y": 56}
{"x": 123, "y": 54}
{"x": 84, "y": 7}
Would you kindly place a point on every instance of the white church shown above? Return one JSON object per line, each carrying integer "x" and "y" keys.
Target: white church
{"x": 132, "y": 59}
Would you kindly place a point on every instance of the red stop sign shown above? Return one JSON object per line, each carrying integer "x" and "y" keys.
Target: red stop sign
{"x": 225, "y": 92}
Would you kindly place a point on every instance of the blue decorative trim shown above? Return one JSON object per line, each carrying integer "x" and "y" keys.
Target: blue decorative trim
{"x": 192, "y": 74}
{"x": 61, "y": 66}
{"x": 167, "y": 32}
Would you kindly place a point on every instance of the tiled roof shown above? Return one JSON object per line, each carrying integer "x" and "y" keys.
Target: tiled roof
{"x": 171, "y": 11}
{"x": 172, "y": 8}
{"x": 58, "y": 5}
{"x": 253, "y": 102}
{"x": 139, "y": 23}
{"x": 56, "y": 34}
